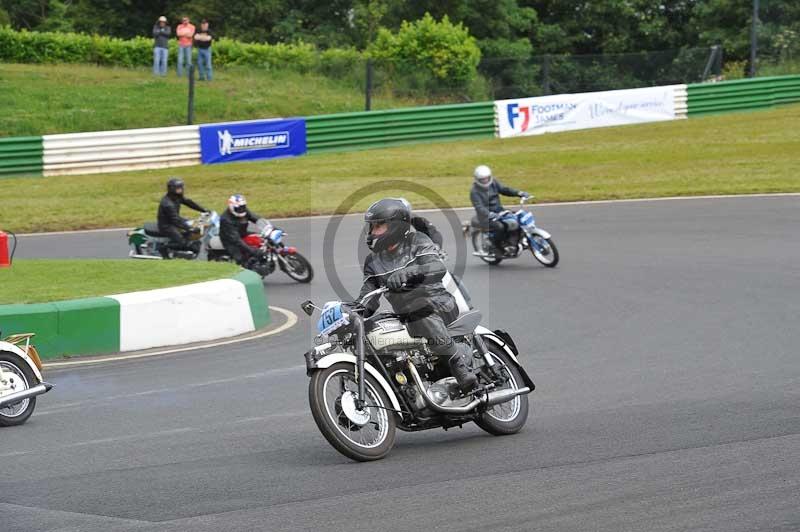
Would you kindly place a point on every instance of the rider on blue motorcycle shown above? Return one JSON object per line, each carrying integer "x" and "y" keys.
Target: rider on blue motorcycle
{"x": 408, "y": 263}
{"x": 170, "y": 221}
{"x": 233, "y": 224}
{"x": 485, "y": 196}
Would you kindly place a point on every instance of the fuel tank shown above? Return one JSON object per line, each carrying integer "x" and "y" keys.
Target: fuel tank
{"x": 391, "y": 334}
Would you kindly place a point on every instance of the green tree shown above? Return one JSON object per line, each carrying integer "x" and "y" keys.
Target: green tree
{"x": 443, "y": 51}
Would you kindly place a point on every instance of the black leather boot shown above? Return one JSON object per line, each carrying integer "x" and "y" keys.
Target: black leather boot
{"x": 460, "y": 369}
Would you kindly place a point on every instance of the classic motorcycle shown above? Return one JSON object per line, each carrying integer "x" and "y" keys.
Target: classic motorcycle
{"x": 272, "y": 252}
{"x": 522, "y": 234}
{"x": 370, "y": 378}
{"x": 147, "y": 242}
{"x": 20, "y": 379}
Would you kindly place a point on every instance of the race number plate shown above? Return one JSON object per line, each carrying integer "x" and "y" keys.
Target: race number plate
{"x": 332, "y": 318}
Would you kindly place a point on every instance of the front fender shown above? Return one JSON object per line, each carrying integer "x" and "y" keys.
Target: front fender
{"x": 541, "y": 232}
{"x": 16, "y": 350}
{"x": 334, "y": 358}
{"x": 490, "y": 336}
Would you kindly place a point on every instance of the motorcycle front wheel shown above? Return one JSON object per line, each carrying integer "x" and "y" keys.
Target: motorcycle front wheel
{"x": 298, "y": 268}
{"x": 361, "y": 435}
{"x": 23, "y": 378}
{"x": 508, "y": 417}
{"x": 483, "y": 245}
{"x": 544, "y": 250}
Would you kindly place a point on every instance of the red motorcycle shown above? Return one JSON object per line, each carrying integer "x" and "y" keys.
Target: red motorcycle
{"x": 272, "y": 252}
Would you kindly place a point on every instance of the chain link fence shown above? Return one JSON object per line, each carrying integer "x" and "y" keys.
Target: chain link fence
{"x": 514, "y": 77}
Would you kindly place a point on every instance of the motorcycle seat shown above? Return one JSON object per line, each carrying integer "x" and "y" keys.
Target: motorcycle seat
{"x": 465, "y": 323}
{"x": 151, "y": 229}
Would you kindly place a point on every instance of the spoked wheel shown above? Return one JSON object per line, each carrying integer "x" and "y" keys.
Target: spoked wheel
{"x": 508, "y": 417}
{"x": 544, "y": 250}
{"x": 363, "y": 435}
{"x": 482, "y": 244}
{"x": 298, "y": 268}
{"x": 20, "y": 378}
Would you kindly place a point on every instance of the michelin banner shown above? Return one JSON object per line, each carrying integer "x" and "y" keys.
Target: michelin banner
{"x": 564, "y": 112}
{"x": 253, "y": 140}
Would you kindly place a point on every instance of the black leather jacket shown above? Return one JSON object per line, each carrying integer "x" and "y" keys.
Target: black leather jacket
{"x": 487, "y": 200}
{"x": 418, "y": 252}
{"x": 423, "y": 225}
{"x": 169, "y": 211}
{"x": 232, "y": 229}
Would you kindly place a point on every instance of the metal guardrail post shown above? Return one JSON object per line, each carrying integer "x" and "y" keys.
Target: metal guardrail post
{"x": 190, "y": 111}
{"x": 368, "y": 87}
{"x": 754, "y": 40}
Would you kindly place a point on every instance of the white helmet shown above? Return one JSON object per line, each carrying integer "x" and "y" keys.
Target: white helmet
{"x": 483, "y": 176}
{"x": 237, "y": 205}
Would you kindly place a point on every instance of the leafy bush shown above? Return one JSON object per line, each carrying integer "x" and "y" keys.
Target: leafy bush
{"x": 439, "y": 52}
{"x": 49, "y": 47}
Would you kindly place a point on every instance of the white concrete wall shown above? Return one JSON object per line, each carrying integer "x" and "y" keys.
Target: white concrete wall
{"x": 183, "y": 314}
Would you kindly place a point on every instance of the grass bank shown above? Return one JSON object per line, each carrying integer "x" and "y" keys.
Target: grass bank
{"x": 46, "y": 99}
{"x": 47, "y": 280}
{"x": 730, "y": 154}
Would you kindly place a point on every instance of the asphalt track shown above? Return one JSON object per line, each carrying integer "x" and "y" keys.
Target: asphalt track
{"x": 664, "y": 347}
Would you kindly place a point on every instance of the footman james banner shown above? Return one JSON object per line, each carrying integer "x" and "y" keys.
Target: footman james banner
{"x": 248, "y": 141}
{"x": 563, "y": 112}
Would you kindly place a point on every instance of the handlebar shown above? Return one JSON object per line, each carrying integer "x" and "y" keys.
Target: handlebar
{"x": 525, "y": 199}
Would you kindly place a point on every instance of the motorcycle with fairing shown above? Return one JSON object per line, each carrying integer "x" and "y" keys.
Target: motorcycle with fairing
{"x": 21, "y": 379}
{"x": 370, "y": 377}
{"x": 271, "y": 252}
{"x": 522, "y": 234}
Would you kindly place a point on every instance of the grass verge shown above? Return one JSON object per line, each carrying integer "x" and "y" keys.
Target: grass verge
{"x": 730, "y": 154}
{"x": 45, "y": 99}
{"x": 47, "y": 280}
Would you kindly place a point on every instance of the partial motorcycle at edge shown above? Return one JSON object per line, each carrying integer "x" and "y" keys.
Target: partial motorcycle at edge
{"x": 21, "y": 379}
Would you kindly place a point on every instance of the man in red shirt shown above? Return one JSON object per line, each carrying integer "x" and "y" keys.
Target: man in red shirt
{"x": 185, "y": 33}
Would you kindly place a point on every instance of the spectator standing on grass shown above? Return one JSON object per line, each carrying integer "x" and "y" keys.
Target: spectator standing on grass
{"x": 185, "y": 33}
{"x": 203, "y": 39}
{"x": 161, "y": 33}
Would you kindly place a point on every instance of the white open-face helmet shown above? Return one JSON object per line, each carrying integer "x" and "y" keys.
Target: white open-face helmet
{"x": 483, "y": 176}
{"x": 237, "y": 205}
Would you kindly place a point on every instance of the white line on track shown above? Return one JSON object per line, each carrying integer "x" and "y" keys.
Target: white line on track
{"x": 291, "y": 320}
{"x": 552, "y": 204}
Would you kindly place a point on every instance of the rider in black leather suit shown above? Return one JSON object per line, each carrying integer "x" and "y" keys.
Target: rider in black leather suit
{"x": 409, "y": 265}
{"x": 170, "y": 221}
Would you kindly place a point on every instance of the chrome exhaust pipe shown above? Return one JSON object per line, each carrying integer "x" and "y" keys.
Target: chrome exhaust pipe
{"x": 490, "y": 399}
{"x": 39, "y": 389}
{"x": 501, "y": 396}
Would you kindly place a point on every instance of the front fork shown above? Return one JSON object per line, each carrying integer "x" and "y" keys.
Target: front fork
{"x": 358, "y": 323}
{"x": 484, "y": 351}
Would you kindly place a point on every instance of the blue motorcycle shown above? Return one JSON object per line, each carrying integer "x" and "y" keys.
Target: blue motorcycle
{"x": 522, "y": 234}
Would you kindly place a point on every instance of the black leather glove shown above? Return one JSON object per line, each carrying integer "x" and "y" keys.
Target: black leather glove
{"x": 403, "y": 278}
{"x": 523, "y": 194}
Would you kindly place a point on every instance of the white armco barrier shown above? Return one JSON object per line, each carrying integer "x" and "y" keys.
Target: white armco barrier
{"x": 681, "y": 102}
{"x": 565, "y": 112}
{"x": 183, "y": 314}
{"x": 113, "y": 151}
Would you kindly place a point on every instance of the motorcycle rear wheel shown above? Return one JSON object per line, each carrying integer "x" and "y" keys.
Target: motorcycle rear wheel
{"x": 372, "y": 441}
{"x": 509, "y": 417}
{"x": 18, "y": 413}
{"x": 480, "y": 240}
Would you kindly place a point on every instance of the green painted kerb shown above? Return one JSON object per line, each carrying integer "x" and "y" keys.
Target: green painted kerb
{"x": 256, "y": 297}
{"x": 80, "y": 326}
{"x": 21, "y": 156}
